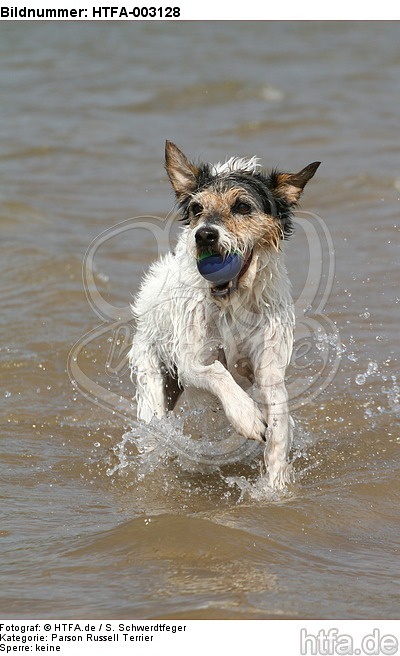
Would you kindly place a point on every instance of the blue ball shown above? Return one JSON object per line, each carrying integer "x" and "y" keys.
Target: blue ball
{"x": 218, "y": 269}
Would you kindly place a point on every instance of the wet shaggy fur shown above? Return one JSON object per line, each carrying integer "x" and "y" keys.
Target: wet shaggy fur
{"x": 217, "y": 341}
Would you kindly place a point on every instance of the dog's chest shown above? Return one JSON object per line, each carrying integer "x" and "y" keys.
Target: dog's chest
{"x": 231, "y": 336}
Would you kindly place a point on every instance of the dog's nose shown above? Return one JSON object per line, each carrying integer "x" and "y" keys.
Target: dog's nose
{"x": 206, "y": 236}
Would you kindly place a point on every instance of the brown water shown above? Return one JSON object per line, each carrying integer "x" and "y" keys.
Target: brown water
{"x": 92, "y": 524}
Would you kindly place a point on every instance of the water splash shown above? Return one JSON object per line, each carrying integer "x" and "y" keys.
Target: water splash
{"x": 191, "y": 445}
{"x": 202, "y": 448}
{"x": 372, "y": 368}
{"x": 258, "y": 488}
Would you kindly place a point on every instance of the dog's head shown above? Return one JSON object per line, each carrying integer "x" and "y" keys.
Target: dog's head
{"x": 234, "y": 206}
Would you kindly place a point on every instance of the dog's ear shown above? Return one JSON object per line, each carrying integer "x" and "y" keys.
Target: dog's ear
{"x": 290, "y": 185}
{"x": 182, "y": 173}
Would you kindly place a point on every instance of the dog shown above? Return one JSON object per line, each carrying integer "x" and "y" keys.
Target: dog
{"x": 216, "y": 341}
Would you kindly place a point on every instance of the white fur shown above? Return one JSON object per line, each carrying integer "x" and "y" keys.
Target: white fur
{"x": 246, "y": 164}
{"x": 181, "y": 328}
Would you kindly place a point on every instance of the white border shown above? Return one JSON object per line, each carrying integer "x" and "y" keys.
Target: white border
{"x": 210, "y": 10}
{"x": 182, "y": 637}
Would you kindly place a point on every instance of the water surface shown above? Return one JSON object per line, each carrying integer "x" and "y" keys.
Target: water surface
{"x": 92, "y": 525}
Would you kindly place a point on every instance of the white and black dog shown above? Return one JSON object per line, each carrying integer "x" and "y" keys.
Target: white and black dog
{"x": 216, "y": 340}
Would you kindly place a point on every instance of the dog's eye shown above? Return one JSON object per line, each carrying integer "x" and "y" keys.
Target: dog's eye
{"x": 242, "y": 207}
{"x": 196, "y": 209}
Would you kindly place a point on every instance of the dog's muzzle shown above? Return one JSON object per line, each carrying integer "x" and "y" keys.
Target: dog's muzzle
{"x": 207, "y": 240}
{"x": 207, "y": 243}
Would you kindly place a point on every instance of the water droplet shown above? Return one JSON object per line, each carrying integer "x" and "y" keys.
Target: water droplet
{"x": 360, "y": 379}
{"x": 7, "y": 394}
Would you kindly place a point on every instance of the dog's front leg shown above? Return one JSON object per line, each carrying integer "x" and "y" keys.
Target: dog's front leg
{"x": 269, "y": 372}
{"x": 240, "y": 409}
{"x": 280, "y": 433}
{"x": 151, "y": 396}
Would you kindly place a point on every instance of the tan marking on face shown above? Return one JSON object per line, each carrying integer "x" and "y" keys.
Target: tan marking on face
{"x": 249, "y": 229}
{"x": 219, "y": 206}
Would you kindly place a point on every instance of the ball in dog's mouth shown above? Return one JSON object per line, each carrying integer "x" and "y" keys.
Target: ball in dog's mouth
{"x": 223, "y": 271}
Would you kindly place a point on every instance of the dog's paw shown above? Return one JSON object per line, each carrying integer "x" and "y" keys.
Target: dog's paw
{"x": 280, "y": 476}
{"x": 248, "y": 420}
{"x": 260, "y": 428}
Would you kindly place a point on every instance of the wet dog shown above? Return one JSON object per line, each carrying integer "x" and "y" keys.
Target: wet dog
{"x": 219, "y": 338}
